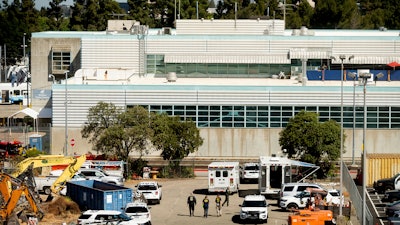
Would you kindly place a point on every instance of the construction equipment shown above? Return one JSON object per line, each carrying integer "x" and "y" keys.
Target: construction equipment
{"x": 73, "y": 165}
{"x": 312, "y": 217}
{"x": 12, "y": 203}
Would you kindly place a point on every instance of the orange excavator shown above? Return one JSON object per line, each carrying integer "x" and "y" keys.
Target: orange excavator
{"x": 15, "y": 197}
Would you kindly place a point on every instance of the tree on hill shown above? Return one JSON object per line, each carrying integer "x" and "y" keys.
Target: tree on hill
{"x": 307, "y": 139}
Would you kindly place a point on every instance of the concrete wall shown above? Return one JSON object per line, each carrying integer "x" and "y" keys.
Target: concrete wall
{"x": 247, "y": 143}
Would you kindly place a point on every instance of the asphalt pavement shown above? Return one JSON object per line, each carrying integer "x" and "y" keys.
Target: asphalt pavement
{"x": 173, "y": 209}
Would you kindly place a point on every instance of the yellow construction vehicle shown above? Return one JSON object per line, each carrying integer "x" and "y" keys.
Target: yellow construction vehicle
{"x": 12, "y": 203}
{"x": 73, "y": 165}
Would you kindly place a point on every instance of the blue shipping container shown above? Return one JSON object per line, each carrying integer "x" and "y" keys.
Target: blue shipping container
{"x": 92, "y": 194}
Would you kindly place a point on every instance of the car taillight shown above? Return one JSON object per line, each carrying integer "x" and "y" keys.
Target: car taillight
{"x": 211, "y": 181}
{"x": 231, "y": 181}
{"x": 156, "y": 192}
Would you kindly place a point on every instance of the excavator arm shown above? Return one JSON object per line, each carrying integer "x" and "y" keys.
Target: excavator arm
{"x": 42, "y": 161}
{"x": 68, "y": 174}
{"x": 19, "y": 189}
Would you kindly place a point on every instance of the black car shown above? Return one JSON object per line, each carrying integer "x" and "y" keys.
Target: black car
{"x": 391, "y": 208}
{"x": 391, "y": 196}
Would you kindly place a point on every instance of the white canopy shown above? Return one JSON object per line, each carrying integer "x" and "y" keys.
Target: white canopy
{"x": 29, "y": 112}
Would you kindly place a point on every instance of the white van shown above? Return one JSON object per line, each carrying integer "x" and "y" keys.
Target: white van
{"x": 222, "y": 175}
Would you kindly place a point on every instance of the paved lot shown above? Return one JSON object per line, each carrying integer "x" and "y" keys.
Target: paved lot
{"x": 173, "y": 209}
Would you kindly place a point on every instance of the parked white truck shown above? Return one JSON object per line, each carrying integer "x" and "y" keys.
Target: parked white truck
{"x": 44, "y": 184}
{"x": 222, "y": 175}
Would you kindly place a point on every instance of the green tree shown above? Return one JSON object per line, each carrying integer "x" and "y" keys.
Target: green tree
{"x": 92, "y": 15}
{"x": 16, "y": 19}
{"x": 307, "y": 139}
{"x": 177, "y": 139}
{"x": 130, "y": 134}
{"x": 99, "y": 118}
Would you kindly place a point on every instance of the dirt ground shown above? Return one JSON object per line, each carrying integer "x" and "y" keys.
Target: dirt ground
{"x": 62, "y": 210}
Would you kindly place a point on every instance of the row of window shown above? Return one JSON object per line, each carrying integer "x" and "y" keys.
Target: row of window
{"x": 278, "y": 116}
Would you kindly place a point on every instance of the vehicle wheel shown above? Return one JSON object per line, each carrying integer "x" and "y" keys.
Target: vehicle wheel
{"x": 388, "y": 188}
{"x": 292, "y": 207}
{"x": 47, "y": 190}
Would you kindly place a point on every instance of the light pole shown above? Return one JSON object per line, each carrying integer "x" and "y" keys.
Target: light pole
{"x": 27, "y": 80}
{"x": 365, "y": 77}
{"x": 354, "y": 76}
{"x": 342, "y": 58}
{"x": 66, "y": 114}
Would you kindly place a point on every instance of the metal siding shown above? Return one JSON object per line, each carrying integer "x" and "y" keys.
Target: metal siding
{"x": 382, "y": 166}
{"x": 110, "y": 53}
{"x": 81, "y": 99}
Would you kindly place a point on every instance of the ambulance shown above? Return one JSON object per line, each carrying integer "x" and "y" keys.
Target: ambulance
{"x": 222, "y": 175}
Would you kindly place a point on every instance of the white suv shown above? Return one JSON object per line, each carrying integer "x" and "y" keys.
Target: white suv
{"x": 150, "y": 190}
{"x": 138, "y": 211}
{"x": 100, "y": 175}
{"x": 109, "y": 217}
{"x": 300, "y": 200}
{"x": 254, "y": 207}
{"x": 249, "y": 172}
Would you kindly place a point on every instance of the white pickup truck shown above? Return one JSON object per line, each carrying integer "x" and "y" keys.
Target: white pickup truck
{"x": 43, "y": 184}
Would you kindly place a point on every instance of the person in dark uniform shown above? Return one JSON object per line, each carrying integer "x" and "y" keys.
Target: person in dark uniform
{"x": 191, "y": 201}
{"x": 227, "y": 193}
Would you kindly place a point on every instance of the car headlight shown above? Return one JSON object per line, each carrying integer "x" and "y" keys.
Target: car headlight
{"x": 283, "y": 200}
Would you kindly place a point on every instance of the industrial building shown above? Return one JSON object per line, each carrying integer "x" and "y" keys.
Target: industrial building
{"x": 239, "y": 80}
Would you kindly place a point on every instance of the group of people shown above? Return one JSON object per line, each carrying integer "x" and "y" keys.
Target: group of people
{"x": 191, "y": 201}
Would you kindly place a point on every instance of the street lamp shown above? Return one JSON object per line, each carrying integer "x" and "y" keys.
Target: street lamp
{"x": 354, "y": 76}
{"x": 342, "y": 58}
{"x": 24, "y": 61}
{"x": 66, "y": 114}
{"x": 365, "y": 77}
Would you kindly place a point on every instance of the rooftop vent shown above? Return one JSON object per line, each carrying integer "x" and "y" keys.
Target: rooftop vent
{"x": 171, "y": 77}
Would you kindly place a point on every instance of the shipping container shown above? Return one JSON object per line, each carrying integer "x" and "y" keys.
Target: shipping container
{"x": 92, "y": 194}
{"x": 382, "y": 166}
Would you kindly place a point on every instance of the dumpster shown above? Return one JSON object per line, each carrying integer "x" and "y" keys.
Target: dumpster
{"x": 97, "y": 195}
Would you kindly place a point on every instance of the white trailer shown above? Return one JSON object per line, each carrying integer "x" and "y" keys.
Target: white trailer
{"x": 276, "y": 171}
{"x": 222, "y": 175}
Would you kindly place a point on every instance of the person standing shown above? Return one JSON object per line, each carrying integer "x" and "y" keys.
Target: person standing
{"x": 218, "y": 205}
{"x": 191, "y": 201}
{"x": 227, "y": 193}
{"x": 206, "y": 202}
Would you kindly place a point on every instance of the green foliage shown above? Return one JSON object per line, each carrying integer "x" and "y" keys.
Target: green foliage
{"x": 172, "y": 171}
{"x": 177, "y": 139}
{"x": 116, "y": 132}
{"x": 307, "y": 139}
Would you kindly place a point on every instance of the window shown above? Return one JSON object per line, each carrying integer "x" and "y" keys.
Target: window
{"x": 61, "y": 60}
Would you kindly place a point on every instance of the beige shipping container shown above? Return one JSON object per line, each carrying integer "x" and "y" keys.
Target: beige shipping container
{"x": 382, "y": 166}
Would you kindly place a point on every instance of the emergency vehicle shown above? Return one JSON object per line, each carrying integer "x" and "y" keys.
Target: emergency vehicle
{"x": 222, "y": 175}
{"x": 276, "y": 171}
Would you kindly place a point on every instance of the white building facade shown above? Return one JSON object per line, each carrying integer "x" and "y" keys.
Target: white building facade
{"x": 224, "y": 75}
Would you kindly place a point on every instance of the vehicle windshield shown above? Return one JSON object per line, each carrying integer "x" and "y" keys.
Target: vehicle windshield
{"x": 251, "y": 168}
{"x": 303, "y": 194}
{"x": 147, "y": 187}
{"x": 254, "y": 204}
{"x": 136, "y": 209}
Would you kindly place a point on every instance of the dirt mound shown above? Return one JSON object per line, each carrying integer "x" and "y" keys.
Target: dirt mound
{"x": 61, "y": 209}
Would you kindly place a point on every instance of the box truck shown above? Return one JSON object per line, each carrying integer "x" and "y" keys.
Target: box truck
{"x": 222, "y": 175}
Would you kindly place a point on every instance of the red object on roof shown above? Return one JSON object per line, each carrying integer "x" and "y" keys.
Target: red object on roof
{"x": 394, "y": 64}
